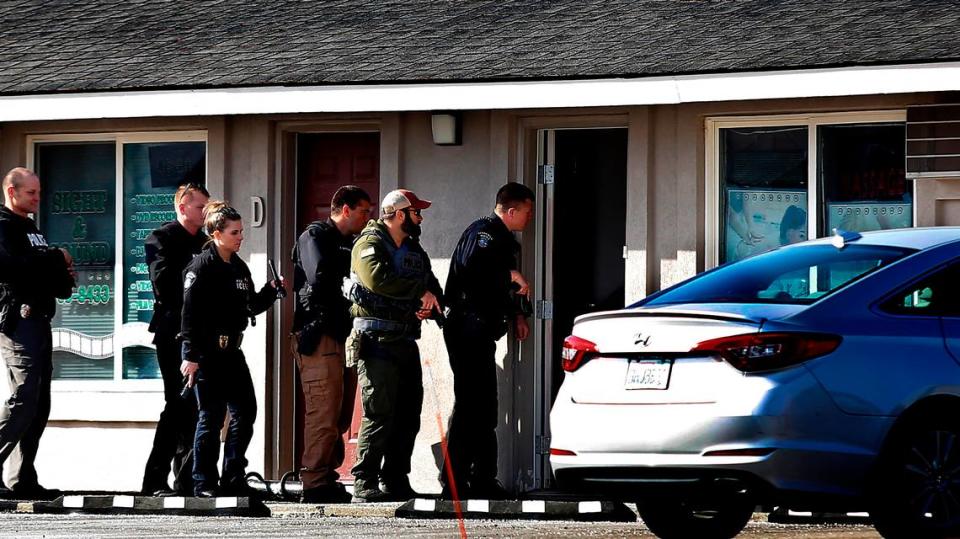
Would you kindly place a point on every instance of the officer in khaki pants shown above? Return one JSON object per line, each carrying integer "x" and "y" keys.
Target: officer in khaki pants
{"x": 321, "y": 323}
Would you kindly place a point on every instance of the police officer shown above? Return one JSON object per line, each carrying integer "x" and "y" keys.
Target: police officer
{"x": 482, "y": 294}
{"x": 218, "y": 301}
{"x": 321, "y": 323}
{"x": 395, "y": 289}
{"x": 168, "y": 251}
{"x": 32, "y": 275}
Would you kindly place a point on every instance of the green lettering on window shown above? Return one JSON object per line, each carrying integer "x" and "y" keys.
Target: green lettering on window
{"x": 79, "y": 202}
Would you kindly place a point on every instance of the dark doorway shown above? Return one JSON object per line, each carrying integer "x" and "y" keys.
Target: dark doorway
{"x": 326, "y": 161}
{"x": 589, "y": 228}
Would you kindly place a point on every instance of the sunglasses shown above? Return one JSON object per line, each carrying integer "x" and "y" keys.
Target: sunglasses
{"x": 416, "y": 212}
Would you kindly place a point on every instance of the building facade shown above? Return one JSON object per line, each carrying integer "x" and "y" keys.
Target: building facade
{"x": 642, "y": 181}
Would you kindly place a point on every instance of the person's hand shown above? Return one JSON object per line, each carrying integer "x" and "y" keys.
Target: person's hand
{"x": 517, "y": 277}
{"x": 188, "y": 369}
{"x": 72, "y": 271}
{"x": 428, "y": 302}
{"x": 753, "y": 237}
{"x": 278, "y": 283}
{"x": 521, "y": 327}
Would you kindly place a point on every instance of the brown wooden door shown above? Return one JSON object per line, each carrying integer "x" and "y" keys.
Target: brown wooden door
{"x": 325, "y": 162}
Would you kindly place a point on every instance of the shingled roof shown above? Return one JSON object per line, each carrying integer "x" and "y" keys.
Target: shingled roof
{"x": 49, "y": 46}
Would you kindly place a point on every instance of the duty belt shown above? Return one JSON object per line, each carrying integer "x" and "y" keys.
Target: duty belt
{"x": 379, "y": 324}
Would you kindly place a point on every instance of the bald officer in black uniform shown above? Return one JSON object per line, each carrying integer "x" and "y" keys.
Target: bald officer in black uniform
{"x": 168, "y": 250}
{"x": 483, "y": 289}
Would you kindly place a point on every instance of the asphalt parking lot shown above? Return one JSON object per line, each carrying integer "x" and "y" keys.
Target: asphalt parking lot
{"x": 308, "y": 523}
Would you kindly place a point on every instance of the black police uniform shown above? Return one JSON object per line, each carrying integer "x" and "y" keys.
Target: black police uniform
{"x": 32, "y": 275}
{"x": 321, "y": 322}
{"x": 218, "y": 301}
{"x": 168, "y": 250}
{"x": 321, "y": 261}
{"x": 482, "y": 306}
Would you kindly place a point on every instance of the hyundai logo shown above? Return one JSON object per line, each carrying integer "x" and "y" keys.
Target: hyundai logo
{"x": 639, "y": 339}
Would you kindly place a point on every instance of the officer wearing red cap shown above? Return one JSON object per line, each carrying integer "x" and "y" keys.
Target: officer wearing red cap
{"x": 394, "y": 290}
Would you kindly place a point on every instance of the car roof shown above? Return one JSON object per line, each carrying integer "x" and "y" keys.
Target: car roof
{"x": 910, "y": 238}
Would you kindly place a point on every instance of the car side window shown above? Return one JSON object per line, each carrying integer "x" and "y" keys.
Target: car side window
{"x": 936, "y": 295}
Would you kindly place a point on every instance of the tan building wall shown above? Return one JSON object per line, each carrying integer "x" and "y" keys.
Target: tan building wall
{"x": 251, "y": 156}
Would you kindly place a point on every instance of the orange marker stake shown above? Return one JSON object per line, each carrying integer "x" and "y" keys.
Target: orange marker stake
{"x": 446, "y": 456}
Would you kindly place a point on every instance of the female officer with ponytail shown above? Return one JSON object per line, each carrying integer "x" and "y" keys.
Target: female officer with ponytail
{"x": 218, "y": 302}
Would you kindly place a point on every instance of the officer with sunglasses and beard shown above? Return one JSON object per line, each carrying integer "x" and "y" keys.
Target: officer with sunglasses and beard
{"x": 393, "y": 290}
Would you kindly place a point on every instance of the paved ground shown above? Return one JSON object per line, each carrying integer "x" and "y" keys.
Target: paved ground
{"x": 294, "y": 524}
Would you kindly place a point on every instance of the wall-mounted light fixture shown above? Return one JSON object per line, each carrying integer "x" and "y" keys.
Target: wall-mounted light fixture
{"x": 446, "y": 128}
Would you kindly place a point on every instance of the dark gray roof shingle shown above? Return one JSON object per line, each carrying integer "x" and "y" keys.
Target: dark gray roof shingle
{"x": 93, "y": 45}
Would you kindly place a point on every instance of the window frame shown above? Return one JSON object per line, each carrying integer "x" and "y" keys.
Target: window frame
{"x": 812, "y": 122}
{"x": 117, "y": 383}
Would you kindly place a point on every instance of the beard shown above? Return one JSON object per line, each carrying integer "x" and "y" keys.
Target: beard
{"x": 411, "y": 229}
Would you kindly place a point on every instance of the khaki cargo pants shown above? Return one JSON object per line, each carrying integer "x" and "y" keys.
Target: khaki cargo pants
{"x": 328, "y": 395}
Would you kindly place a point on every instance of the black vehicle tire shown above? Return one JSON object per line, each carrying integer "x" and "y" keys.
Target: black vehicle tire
{"x": 714, "y": 519}
{"x": 916, "y": 489}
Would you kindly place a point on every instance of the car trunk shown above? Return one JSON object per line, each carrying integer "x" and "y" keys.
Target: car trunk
{"x": 644, "y": 354}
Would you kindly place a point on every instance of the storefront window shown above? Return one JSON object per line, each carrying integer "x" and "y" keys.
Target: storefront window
{"x": 151, "y": 174}
{"x": 763, "y": 178}
{"x": 863, "y": 181}
{"x": 767, "y": 193}
{"x": 79, "y": 211}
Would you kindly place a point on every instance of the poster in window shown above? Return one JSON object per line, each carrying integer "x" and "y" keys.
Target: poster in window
{"x": 757, "y": 220}
{"x": 152, "y": 171}
{"x": 867, "y": 216}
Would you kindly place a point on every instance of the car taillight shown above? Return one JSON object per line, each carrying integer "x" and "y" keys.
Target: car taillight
{"x": 576, "y": 352}
{"x": 757, "y": 352}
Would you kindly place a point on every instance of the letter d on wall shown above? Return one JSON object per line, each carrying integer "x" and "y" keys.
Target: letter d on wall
{"x": 256, "y": 211}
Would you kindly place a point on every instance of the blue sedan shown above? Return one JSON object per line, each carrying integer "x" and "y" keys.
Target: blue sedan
{"x": 823, "y": 375}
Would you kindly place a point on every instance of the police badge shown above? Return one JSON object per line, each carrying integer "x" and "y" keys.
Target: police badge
{"x": 224, "y": 341}
{"x": 189, "y": 279}
{"x": 484, "y": 239}
{"x": 24, "y": 311}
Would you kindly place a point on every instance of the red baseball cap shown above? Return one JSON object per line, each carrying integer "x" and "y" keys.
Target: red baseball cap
{"x": 402, "y": 198}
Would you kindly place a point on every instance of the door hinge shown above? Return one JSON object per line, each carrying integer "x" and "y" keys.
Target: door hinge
{"x": 544, "y": 310}
{"x": 545, "y": 174}
{"x": 542, "y": 444}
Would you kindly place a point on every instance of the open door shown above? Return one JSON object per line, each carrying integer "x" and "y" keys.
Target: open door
{"x": 326, "y": 161}
{"x": 581, "y": 234}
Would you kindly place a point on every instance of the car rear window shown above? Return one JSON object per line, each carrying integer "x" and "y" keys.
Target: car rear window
{"x": 794, "y": 275}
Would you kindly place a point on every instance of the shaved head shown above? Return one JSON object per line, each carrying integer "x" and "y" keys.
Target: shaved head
{"x": 17, "y": 177}
{"x": 21, "y": 191}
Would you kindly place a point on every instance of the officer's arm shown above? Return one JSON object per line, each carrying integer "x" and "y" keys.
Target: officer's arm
{"x": 194, "y": 315}
{"x": 311, "y": 260}
{"x": 375, "y": 271}
{"x": 165, "y": 280}
{"x": 433, "y": 284}
{"x": 48, "y": 267}
{"x": 262, "y": 300}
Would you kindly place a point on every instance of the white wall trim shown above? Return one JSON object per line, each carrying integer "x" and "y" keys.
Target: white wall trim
{"x": 488, "y": 95}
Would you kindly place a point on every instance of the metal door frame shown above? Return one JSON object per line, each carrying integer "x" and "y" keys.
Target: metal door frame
{"x": 543, "y": 292}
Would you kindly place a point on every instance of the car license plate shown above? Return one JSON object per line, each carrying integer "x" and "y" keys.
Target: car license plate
{"x": 648, "y": 374}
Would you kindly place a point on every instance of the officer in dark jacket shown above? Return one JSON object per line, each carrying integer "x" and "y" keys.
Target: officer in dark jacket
{"x": 218, "y": 302}
{"x": 321, "y": 322}
{"x": 32, "y": 275}
{"x": 483, "y": 292}
{"x": 168, "y": 251}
